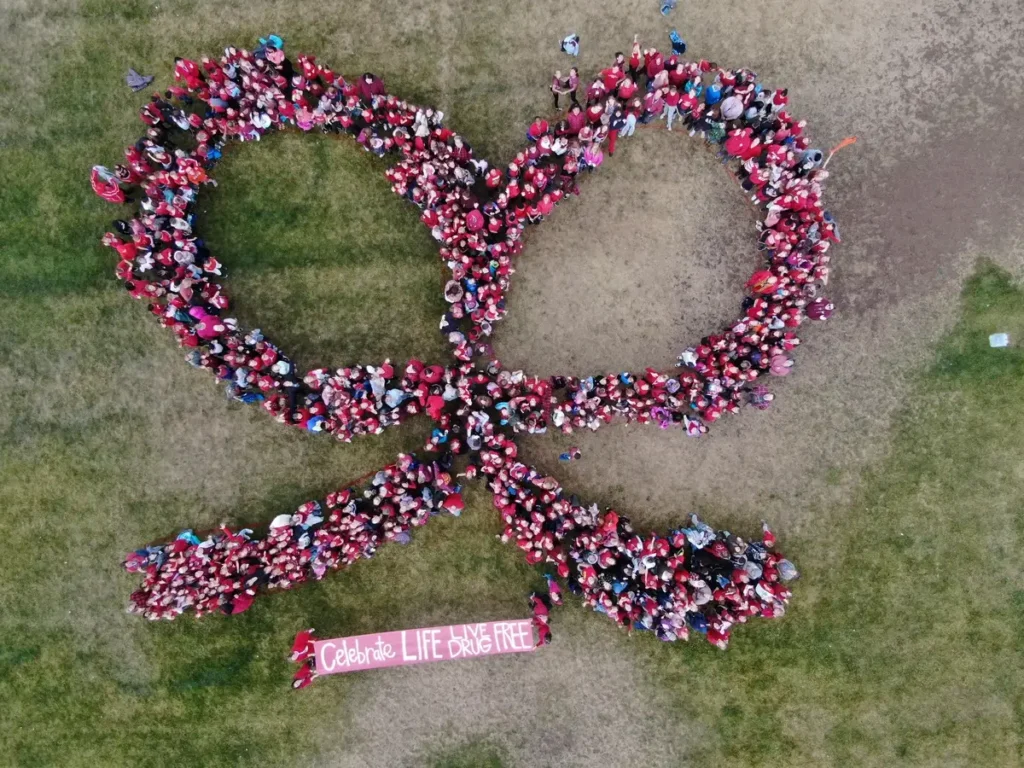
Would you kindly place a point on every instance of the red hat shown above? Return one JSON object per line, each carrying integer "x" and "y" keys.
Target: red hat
{"x": 453, "y": 503}
{"x": 762, "y": 281}
{"x": 718, "y": 549}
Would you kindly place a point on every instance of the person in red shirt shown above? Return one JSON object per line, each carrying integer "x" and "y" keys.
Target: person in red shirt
{"x": 671, "y": 110}
{"x": 575, "y": 119}
{"x": 370, "y": 86}
{"x": 105, "y": 184}
{"x": 305, "y": 676}
{"x": 302, "y": 648}
{"x": 611, "y": 77}
{"x": 627, "y": 89}
{"x": 493, "y": 178}
{"x": 677, "y": 76}
{"x": 780, "y": 99}
{"x": 538, "y": 128}
{"x": 545, "y": 205}
{"x": 636, "y": 61}
{"x": 655, "y": 64}
{"x": 188, "y": 71}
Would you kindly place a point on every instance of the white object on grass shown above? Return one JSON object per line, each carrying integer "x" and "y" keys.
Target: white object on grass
{"x": 999, "y": 340}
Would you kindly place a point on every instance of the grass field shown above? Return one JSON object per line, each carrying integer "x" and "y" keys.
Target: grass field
{"x": 905, "y": 639}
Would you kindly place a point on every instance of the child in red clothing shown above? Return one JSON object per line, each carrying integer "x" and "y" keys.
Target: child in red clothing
{"x": 636, "y": 61}
{"x": 538, "y": 128}
{"x": 627, "y": 90}
{"x": 655, "y": 64}
{"x": 671, "y": 110}
{"x": 302, "y": 648}
{"x": 105, "y": 184}
{"x": 576, "y": 119}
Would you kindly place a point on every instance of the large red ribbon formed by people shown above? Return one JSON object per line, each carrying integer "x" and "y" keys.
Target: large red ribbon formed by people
{"x": 694, "y": 579}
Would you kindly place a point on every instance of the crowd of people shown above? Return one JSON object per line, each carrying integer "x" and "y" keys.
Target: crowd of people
{"x": 225, "y": 571}
{"x": 694, "y": 579}
{"x": 478, "y": 214}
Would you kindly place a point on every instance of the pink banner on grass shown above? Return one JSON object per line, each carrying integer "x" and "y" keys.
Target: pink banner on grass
{"x": 419, "y": 646}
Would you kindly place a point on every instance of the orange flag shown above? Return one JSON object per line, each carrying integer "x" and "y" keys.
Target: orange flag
{"x": 844, "y": 143}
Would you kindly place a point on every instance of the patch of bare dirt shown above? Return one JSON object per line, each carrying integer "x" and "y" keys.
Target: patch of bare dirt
{"x": 573, "y": 704}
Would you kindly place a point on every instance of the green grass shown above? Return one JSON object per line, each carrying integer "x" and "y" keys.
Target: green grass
{"x": 904, "y": 643}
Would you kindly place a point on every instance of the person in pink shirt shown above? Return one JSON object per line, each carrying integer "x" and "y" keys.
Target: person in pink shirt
{"x": 574, "y": 84}
{"x": 660, "y": 80}
{"x": 653, "y": 106}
